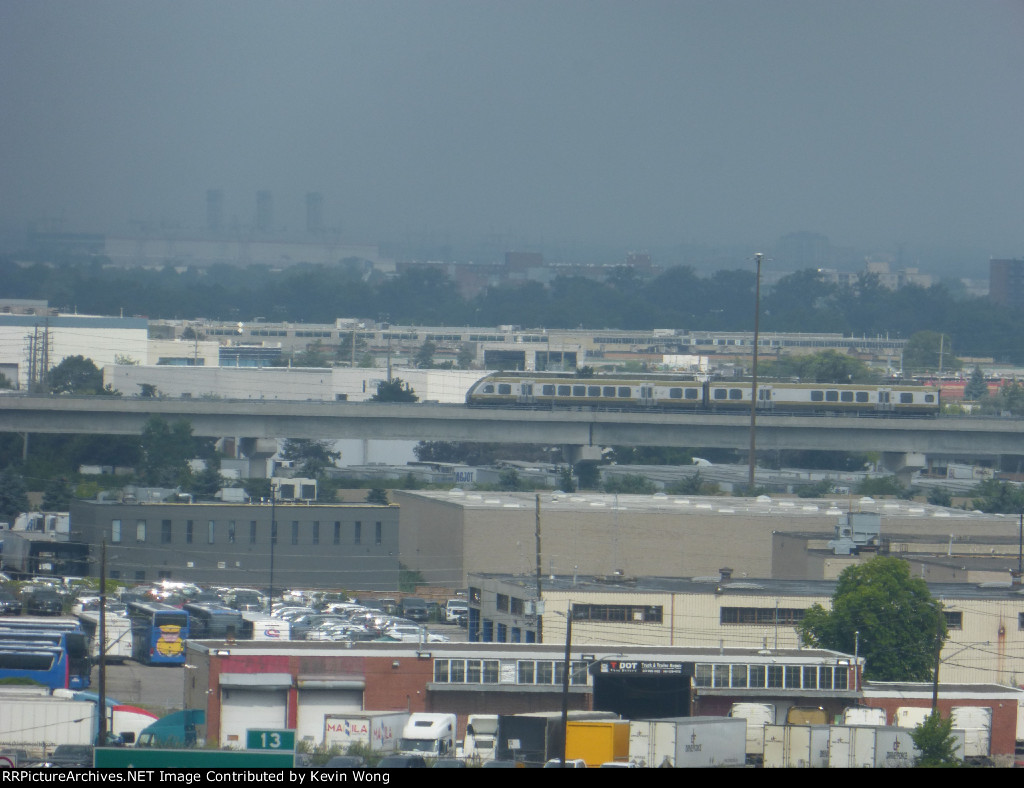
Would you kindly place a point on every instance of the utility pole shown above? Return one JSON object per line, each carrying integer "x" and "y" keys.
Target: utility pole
{"x": 101, "y": 702}
{"x": 565, "y": 681}
{"x": 536, "y": 535}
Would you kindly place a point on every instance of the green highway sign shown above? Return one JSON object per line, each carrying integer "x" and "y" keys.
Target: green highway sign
{"x": 279, "y": 741}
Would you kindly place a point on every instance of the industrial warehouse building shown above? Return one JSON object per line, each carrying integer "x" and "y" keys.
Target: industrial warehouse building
{"x": 985, "y": 622}
{"x": 248, "y": 684}
{"x": 337, "y": 546}
{"x": 446, "y": 535}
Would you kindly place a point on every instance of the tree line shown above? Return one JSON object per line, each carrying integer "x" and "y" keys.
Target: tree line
{"x": 678, "y": 297}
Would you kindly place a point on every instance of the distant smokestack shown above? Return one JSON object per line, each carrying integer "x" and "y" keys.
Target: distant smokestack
{"x": 314, "y": 212}
{"x": 214, "y": 210}
{"x": 264, "y": 211}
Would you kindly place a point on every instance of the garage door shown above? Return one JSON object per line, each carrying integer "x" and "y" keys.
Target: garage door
{"x": 252, "y": 702}
{"x": 315, "y": 704}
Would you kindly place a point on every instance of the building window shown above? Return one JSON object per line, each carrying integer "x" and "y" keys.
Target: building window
{"x": 501, "y": 603}
{"x": 549, "y": 672}
{"x": 764, "y": 616}
{"x": 337, "y": 532}
{"x": 231, "y": 531}
{"x": 502, "y": 633}
{"x": 165, "y": 532}
{"x": 295, "y": 531}
{"x": 252, "y": 532}
{"x": 140, "y": 531}
{"x": 378, "y": 534}
{"x": 115, "y": 530}
{"x": 358, "y": 536}
{"x": 211, "y": 531}
{"x": 188, "y": 532}
{"x": 515, "y": 606}
{"x": 524, "y": 672}
{"x": 954, "y": 619}
{"x": 316, "y": 532}
{"x": 140, "y": 574}
{"x": 634, "y": 614}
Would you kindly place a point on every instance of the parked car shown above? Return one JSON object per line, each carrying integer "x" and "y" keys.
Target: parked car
{"x": 41, "y": 601}
{"x": 9, "y": 604}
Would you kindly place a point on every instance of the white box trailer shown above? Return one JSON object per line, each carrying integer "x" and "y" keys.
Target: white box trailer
{"x": 45, "y": 722}
{"x": 796, "y": 746}
{"x": 757, "y": 715}
{"x": 378, "y": 730}
{"x": 688, "y": 742}
{"x": 894, "y": 748}
{"x": 851, "y": 747}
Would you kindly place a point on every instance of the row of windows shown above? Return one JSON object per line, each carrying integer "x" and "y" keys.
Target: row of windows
{"x": 804, "y": 677}
{"x": 646, "y": 614}
{"x": 786, "y": 616}
{"x": 487, "y": 671}
{"x": 230, "y": 533}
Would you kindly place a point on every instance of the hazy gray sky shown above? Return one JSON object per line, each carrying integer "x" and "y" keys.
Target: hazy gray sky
{"x": 634, "y": 122}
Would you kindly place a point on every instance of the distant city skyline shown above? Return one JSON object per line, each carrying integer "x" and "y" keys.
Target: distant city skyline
{"x": 583, "y": 130}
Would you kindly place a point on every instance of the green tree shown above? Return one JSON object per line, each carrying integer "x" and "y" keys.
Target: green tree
{"x": 394, "y": 390}
{"x": 311, "y": 457}
{"x": 886, "y": 615}
{"x": 424, "y": 358}
{"x": 1010, "y": 399}
{"x": 205, "y": 484}
{"x": 75, "y": 375}
{"x": 998, "y": 497}
{"x": 509, "y": 480}
{"x": 13, "y": 495}
{"x": 880, "y": 485}
{"x": 934, "y": 738}
{"x": 976, "y": 388}
{"x": 377, "y": 495}
{"x": 928, "y": 351}
{"x": 466, "y": 356}
{"x": 166, "y": 449}
{"x": 566, "y": 483}
{"x": 57, "y": 495}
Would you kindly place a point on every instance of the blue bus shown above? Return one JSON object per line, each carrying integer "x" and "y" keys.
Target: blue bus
{"x": 73, "y": 644}
{"x": 159, "y": 633}
{"x": 47, "y": 665}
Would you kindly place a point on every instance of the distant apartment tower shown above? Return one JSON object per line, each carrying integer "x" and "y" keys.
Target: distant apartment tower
{"x": 264, "y": 211}
{"x": 214, "y": 210}
{"x": 1006, "y": 282}
{"x": 314, "y": 212}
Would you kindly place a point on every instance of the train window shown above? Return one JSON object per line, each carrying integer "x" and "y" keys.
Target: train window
{"x": 832, "y": 396}
{"x": 883, "y": 396}
{"x": 548, "y": 390}
{"x": 579, "y": 391}
{"x": 929, "y": 398}
{"x": 691, "y": 394}
{"x": 719, "y": 394}
{"x": 504, "y": 388}
{"x": 675, "y": 393}
{"x": 846, "y": 396}
{"x": 564, "y": 391}
{"x": 862, "y": 396}
{"x": 527, "y": 389}
{"x": 625, "y": 391}
{"x": 593, "y": 391}
{"x": 817, "y": 396}
{"x": 735, "y": 393}
{"x": 609, "y": 391}
{"x": 906, "y": 398}
{"x": 488, "y": 389}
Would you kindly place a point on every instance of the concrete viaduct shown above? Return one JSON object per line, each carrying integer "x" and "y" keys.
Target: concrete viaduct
{"x": 903, "y": 442}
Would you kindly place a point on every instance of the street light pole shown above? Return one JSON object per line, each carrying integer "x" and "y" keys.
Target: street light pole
{"x": 752, "y": 457}
{"x": 273, "y": 541}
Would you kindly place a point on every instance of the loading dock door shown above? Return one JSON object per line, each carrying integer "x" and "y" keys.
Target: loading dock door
{"x": 316, "y": 701}
{"x": 643, "y": 690}
{"x": 252, "y": 700}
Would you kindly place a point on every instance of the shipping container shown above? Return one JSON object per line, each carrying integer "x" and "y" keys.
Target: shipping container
{"x": 695, "y": 742}
{"x": 597, "y": 741}
{"x": 378, "y": 730}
